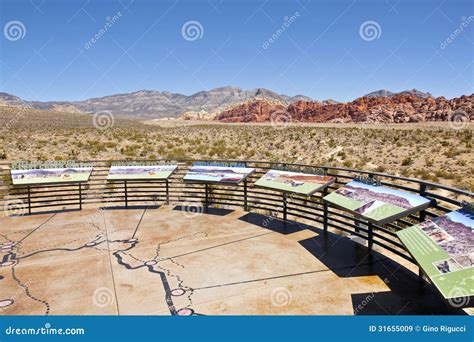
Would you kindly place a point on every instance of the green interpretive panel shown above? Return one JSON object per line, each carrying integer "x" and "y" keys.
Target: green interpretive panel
{"x": 375, "y": 203}
{"x": 444, "y": 249}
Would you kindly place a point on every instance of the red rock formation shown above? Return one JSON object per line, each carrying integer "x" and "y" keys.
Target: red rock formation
{"x": 254, "y": 111}
{"x": 399, "y": 108}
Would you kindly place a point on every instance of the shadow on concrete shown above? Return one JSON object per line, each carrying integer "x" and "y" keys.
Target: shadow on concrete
{"x": 57, "y": 211}
{"x": 274, "y": 224}
{"x": 199, "y": 209}
{"x": 407, "y": 295}
{"x": 131, "y": 207}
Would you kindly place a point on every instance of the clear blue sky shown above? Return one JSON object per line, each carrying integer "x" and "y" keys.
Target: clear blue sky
{"x": 320, "y": 54}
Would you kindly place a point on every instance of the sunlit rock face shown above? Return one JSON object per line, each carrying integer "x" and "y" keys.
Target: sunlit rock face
{"x": 397, "y": 108}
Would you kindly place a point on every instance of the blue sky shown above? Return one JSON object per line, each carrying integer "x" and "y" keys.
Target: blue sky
{"x": 321, "y": 52}
{"x": 463, "y": 217}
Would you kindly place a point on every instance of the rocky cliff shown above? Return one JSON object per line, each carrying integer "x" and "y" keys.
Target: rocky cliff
{"x": 399, "y": 108}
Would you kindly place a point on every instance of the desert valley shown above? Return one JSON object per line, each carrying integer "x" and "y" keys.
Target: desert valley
{"x": 411, "y": 134}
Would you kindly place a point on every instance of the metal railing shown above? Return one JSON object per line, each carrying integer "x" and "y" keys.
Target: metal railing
{"x": 98, "y": 192}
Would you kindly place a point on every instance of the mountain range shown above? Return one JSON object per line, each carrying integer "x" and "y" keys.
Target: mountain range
{"x": 388, "y": 93}
{"x": 147, "y": 104}
{"x": 232, "y": 104}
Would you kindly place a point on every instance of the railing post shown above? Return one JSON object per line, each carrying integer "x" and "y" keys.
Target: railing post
{"x": 421, "y": 280}
{"x": 326, "y": 211}
{"x": 246, "y": 208}
{"x": 422, "y": 193}
{"x": 285, "y": 206}
{"x": 370, "y": 235}
{"x": 126, "y": 193}
{"x": 29, "y": 200}
{"x": 80, "y": 196}
{"x": 206, "y": 201}
{"x": 167, "y": 193}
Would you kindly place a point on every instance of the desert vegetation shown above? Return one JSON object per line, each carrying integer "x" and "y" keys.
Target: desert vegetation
{"x": 431, "y": 152}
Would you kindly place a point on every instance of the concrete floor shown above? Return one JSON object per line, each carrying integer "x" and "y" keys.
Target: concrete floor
{"x": 169, "y": 261}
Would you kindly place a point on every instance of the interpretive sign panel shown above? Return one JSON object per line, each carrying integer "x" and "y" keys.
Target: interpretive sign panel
{"x": 218, "y": 173}
{"x": 444, "y": 249}
{"x": 49, "y": 173}
{"x": 141, "y": 172}
{"x": 294, "y": 182}
{"x": 376, "y": 203}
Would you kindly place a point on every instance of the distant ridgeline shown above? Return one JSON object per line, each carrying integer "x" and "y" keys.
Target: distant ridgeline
{"x": 368, "y": 180}
{"x": 56, "y": 164}
{"x": 306, "y": 169}
{"x": 219, "y": 164}
{"x": 142, "y": 163}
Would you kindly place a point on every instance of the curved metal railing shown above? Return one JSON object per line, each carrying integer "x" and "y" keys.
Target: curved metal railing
{"x": 98, "y": 192}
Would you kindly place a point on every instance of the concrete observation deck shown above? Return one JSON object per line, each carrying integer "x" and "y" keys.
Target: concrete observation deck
{"x": 162, "y": 261}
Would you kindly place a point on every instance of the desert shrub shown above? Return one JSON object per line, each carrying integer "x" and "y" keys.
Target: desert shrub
{"x": 405, "y": 172}
{"x": 443, "y": 174}
{"x": 407, "y": 161}
{"x": 348, "y": 163}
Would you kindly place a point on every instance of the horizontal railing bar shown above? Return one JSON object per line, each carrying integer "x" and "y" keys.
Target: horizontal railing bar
{"x": 55, "y": 205}
{"x": 444, "y": 199}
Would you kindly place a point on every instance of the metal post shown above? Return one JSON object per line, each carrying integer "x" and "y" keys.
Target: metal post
{"x": 325, "y": 210}
{"x": 167, "y": 193}
{"x": 422, "y": 193}
{"x": 285, "y": 206}
{"x": 29, "y": 200}
{"x": 421, "y": 280}
{"x": 126, "y": 194}
{"x": 80, "y": 196}
{"x": 206, "y": 201}
{"x": 246, "y": 207}
{"x": 370, "y": 235}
